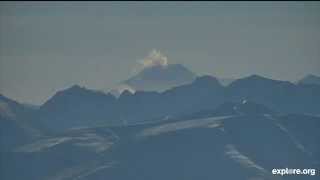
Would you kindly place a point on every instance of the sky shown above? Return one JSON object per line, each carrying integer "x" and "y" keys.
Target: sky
{"x": 49, "y": 46}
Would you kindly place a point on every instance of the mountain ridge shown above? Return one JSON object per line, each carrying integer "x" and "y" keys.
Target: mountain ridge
{"x": 88, "y": 107}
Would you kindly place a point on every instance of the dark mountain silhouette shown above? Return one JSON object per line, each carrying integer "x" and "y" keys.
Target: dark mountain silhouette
{"x": 160, "y": 78}
{"x": 282, "y": 96}
{"x": 310, "y": 79}
{"x": 77, "y": 106}
{"x": 203, "y": 92}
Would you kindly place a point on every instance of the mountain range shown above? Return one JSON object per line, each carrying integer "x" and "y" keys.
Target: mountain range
{"x": 194, "y": 128}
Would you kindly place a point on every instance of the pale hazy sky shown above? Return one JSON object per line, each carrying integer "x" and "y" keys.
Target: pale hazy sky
{"x": 48, "y": 46}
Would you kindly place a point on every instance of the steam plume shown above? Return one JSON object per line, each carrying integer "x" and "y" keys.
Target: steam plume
{"x": 155, "y": 58}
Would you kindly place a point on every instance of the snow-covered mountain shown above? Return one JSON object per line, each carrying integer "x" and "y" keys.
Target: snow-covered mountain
{"x": 249, "y": 145}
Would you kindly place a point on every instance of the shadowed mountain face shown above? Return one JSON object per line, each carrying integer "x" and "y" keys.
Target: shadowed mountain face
{"x": 282, "y": 96}
{"x": 11, "y": 108}
{"x": 310, "y": 79}
{"x": 246, "y": 146}
{"x": 15, "y": 126}
{"x": 77, "y": 107}
{"x": 86, "y": 107}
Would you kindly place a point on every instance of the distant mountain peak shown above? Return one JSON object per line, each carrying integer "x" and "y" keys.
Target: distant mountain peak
{"x": 76, "y": 93}
{"x": 258, "y": 80}
{"x": 160, "y": 77}
{"x": 76, "y": 86}
{"x": 76, "y": 89}
{"x": 126, "y": 93}
{"x": 72, "y": 89}
{"x": 255, "y": 77}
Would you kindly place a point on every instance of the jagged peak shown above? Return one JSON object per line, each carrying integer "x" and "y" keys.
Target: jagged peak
{"x": 77, "y": 88}
{"x": 77, "y": 91}
{"x": 257, "y": 77}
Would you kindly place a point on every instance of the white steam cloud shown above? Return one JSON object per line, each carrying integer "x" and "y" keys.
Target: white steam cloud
{"x": 155, "y": 58}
